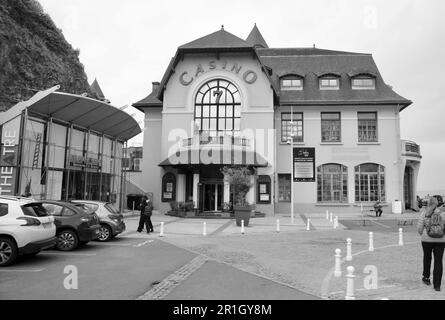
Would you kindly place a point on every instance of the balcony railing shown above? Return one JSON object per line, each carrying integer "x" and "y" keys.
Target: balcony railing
{"x": 410, "y": 148}
{"x": 205, "y": 139}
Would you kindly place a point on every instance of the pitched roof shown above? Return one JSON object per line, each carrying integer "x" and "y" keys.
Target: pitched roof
{"x": 97, "y": 91}
{"x": 256, "y": 39}
{"x": 217, "y": 40}
{"x": 151, "y": 100}
{"x": 311, "y": 63}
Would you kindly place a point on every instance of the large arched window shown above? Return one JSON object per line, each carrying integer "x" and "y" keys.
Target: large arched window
{"x": 218, "y": 109}
{"x": 370, "y": 183}
{"x": 332, "y": 183}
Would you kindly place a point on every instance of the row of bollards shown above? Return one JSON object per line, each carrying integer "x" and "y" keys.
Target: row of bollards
{"x": 332, "y": 219}
{"x": 308, "y": 228}
{"x": 350, "y": 269}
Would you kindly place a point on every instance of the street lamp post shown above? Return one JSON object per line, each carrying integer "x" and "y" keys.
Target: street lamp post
{"x": 290, "y": 140}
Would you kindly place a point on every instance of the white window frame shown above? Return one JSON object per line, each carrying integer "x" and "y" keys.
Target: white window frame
{"x": 362, "y": 86}
{"x": 296, "y": 83}
{"x": 330, "y": 86}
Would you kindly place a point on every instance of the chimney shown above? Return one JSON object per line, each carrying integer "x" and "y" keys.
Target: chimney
{"x": 155, "y": 86}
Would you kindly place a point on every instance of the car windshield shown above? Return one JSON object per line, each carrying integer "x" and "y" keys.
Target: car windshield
{"x": 34, "y": 210}
{"x": 110, "y": 207}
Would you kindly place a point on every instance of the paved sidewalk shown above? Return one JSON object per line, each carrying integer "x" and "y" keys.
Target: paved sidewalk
{"x": 303, "y": 259}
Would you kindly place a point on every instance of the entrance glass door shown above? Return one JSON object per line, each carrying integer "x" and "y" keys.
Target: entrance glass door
{"x": 212, "y": 197}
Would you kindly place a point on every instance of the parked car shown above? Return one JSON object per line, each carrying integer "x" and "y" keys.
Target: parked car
{"x": 23, "y": 230}
{"x": 424, "y": 202}
{"x": 111, "y": 220}
{"x": 74, "y": 226}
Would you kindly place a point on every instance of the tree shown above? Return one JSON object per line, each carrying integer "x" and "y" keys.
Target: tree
{"x": 239, "y": 178}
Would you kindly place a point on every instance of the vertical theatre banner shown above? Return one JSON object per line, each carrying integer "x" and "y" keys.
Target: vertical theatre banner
{"x": 9, "y": 156}
{"x": 304, "y": 164}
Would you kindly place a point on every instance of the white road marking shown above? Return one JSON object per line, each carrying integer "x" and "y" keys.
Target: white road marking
{"x": 113, "y": 244}
{"x": 143, "y": 243}
{"x": 74, "y": 254}
{"x": 22, "y": 270}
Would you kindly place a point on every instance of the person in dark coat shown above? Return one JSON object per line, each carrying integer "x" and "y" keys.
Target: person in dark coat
{"x": 145, "y": 217}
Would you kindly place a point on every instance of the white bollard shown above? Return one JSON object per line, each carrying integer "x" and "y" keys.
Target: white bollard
{"x": 278, "y": 225}
{"x": 204, "y": 229}
{"x": 308, "y": 225}
{"x": 331, "y": 217}
{"x": 242, "y": 227}
{"x": 350, "y": 284}
{"x": 400, "y": 237}
{"x": 327, "y": 215}
{"x": 335, "y": 222}
{"x": 371, "y": 241}
{"x": 161, "y": 234}
{"x": 337, "y": 270}
{"x": 348, "y": 249}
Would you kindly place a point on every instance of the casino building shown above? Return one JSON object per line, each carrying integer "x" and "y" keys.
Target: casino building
{"x": 322, "y": 123}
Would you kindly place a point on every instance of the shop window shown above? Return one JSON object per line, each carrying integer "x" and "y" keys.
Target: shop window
{"x": 168, "y": 187}
{"x": 370, "y": 183}
{"x": 330, "y": 127}
{"x": 284, "y": 187}
{"x": 332, "y": 183}
{"x": 218, "y": 109}
{"x": 264, "y": 190}
{"x": 367, "y": 126}
{"x": 292, "y": 125}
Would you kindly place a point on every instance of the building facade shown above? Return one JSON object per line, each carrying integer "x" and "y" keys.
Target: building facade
{"x": 317, "y": 122}
{"x": 61, "y": 146}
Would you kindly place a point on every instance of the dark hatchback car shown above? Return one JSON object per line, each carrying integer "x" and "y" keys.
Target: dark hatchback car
{"x": 74, "y": 226}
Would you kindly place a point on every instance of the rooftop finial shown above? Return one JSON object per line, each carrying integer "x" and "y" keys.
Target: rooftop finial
{"x": 222, "y": 27}
{"x": 314, "y": 45}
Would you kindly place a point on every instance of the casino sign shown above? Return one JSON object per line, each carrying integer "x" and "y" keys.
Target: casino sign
{"x": 249, "y": 76}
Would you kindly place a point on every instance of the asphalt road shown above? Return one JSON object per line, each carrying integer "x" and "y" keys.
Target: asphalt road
{"x": 128, "y": 267}
{"x": 217, "y": 281}
{"x": 122, "y": 269}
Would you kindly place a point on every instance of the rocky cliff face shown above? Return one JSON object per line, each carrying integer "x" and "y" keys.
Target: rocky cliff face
{"x": 34, "y": 54}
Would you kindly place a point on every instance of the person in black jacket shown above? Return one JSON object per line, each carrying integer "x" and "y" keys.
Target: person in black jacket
{"x": 145, "y": 217}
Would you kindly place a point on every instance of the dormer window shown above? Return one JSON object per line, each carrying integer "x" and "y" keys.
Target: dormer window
{"x": 363, "y": 83}
{"x": 292, "y": 83}
{"x": 329, "y": 83}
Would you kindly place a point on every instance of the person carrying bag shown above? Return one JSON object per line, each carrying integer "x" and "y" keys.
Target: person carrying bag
{"x": 431, "y": 228}
{"x": 145, "y": 216}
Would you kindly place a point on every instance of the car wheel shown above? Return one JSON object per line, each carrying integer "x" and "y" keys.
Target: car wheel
{"x": 8, "y": 252}
{"x": 67, "y": 240}
{"x": 104, "y": 233}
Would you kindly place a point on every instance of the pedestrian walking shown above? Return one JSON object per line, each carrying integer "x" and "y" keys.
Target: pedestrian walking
{"x": 145, "y": 216}
{"x": 431, "y": 228}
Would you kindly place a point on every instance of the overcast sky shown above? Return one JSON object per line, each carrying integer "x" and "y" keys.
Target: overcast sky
{"x": 127, "y": 45}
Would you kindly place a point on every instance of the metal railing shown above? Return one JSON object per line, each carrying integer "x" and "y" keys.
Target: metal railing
{"x": 205, "y": 139}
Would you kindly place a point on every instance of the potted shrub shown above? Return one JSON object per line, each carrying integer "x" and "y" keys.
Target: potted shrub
{"x": 239, "y": 178}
